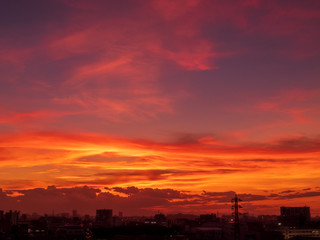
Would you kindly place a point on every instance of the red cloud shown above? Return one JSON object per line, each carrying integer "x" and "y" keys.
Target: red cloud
{"x": 297, "y": 103}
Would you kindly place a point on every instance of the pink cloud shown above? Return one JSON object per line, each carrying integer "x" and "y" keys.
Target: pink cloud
{"x": 294, "y": 102}
{"x": 21, "y": 117}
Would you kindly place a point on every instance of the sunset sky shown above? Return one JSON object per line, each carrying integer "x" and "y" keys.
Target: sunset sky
{"x": 159, "y": 105}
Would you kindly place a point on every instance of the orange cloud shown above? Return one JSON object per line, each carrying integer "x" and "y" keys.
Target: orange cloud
{"x": 97, "y": 160}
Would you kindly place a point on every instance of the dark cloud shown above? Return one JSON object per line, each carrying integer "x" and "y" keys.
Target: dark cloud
{"x": 187, "y": 138}
{"x": 87, "y": 199}
{"x": 219, "y": 194}
{"x": 3, "y": 194}
{"x": 298, "y": 195}
{"x": 225, "y": 197}
{"x": 220, "y": 197}
{"x": 137, "y": 200}
{"x": 151, "y": 173}
{"x": 132, "y": 200}
{"x": 117, "y": 176}
{"x": 226, "y": 171}
{"x": 273, "y": 195}
{"x": 252, "y": 197}
{"x": 287, "y": 191}
{"x": 275, "y": 160}
{"x": 104, "y": 157}
{"x": 128, "y": 190}
{"x": 302, "y": 144}
{"x": 167, "y": 194}
{"x": 291, "y": 194}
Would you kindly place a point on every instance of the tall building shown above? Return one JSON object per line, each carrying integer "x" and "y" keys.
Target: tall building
{"x": 104, "y": 217}
{"x": 12, "y": 217}
{"x": 74, "y": 213}
{"x": 295, "y": 216}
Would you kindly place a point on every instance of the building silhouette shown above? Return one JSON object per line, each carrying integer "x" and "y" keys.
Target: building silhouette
{"x": 104, "y": 217}
{"x": 295, "y": 216}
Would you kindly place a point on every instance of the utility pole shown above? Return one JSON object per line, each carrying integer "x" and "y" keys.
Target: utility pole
{"x": 235, "y": 207}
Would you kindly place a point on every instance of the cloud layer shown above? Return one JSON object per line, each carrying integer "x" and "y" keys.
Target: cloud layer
{"x": 141, "y": 201}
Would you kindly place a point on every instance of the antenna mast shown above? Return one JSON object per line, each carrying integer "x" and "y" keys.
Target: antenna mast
{"x": 236, "y": 207}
